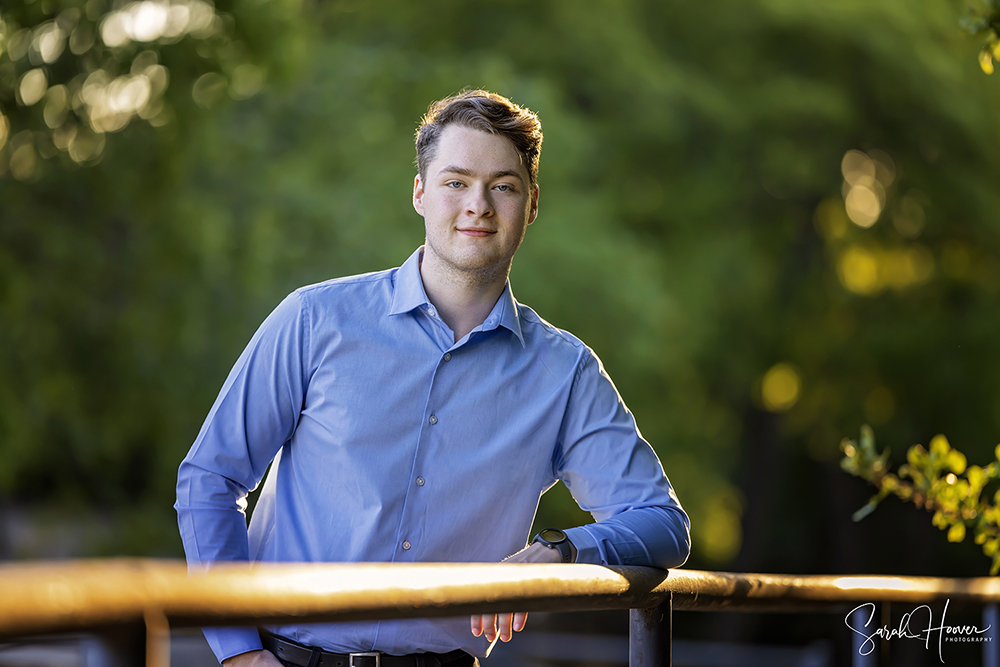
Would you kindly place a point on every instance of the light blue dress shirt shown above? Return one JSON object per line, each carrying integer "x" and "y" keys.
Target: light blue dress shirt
{"x": 392, "y": 443}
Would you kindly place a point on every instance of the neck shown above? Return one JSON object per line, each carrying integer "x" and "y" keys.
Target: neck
{"x": 463, "y": 299}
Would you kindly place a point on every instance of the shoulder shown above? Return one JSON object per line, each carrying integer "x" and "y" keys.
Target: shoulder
{"x": 335, "y": 286}
{"x": 366, "y": 289}
{"x": 554, "y": 345}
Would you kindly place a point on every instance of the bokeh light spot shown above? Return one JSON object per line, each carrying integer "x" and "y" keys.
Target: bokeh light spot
{"x": 23, "y": 162}
{"x": 830, "y": 219}
{"x": 721, "y": 531}
{"x": 149, "y": 19}
{"x": 32, "y": 87}
{"x": 86, "y": 146}
{"x": 56, "y": 106}
{"x": 4, "y": 129}
{"x": 247, "y": 81}
{"x": 863, "y": 205}
{"x": 208, "y": 89}
{"x": 780, "y": 388}
{"x": 865, "y": 180}
{"x": 858, "y": 271}
{"x": 857, "y": 168}
{"x": 49, "y": 41}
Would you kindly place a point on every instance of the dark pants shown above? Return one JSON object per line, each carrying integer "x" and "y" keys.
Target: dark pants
{"x": 474, "y": 662}
{"x": 293, "y": 654}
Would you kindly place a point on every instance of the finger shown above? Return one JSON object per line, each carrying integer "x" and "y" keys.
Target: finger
{"x": 477, "y": 625}
{"x": 490, "y": 626}
{"x": 506, "y": 622}
{"x": 520, "y": 618}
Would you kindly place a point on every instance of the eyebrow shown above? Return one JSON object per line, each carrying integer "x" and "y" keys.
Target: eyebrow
{"x": 462, "y": 171}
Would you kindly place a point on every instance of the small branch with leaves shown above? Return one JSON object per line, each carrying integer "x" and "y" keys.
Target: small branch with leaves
{"x": 936, "y": 479}
{"x": 986, "y": 23}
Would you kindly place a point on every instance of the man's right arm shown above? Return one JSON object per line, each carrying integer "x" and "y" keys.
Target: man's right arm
{"x": 254, "y": 415}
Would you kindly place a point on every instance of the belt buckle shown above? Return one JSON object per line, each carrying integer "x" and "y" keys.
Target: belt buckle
{"x": 373, "y": 654}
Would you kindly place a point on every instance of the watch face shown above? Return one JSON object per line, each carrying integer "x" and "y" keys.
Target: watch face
{"x": 552, "y": 535}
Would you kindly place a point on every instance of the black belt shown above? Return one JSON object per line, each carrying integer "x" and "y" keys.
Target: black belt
{"x": 295, "y": 653}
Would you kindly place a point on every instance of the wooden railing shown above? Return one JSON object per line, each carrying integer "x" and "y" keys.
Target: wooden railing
{"x": 133, "y": 604}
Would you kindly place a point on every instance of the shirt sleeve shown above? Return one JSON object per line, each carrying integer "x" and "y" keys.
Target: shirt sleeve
{"x": 614, "y": 474}
{"x": 254, "y": 415}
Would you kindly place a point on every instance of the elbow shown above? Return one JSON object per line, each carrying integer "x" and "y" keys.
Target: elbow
{"x": 677, "y": 548}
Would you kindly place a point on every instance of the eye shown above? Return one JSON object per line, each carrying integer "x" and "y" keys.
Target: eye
{"x": 505, "y": 187}
{"x": 454, "y": 185}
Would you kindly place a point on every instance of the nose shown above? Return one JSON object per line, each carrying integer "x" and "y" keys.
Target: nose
{"x": 479, "y": 204}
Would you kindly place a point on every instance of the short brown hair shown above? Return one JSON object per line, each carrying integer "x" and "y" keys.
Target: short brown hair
{"x": 485, "y": 111}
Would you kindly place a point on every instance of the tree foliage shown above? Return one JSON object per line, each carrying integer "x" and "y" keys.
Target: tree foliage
{"x": 772, "y": 220}
{"x": 940, "y": 481}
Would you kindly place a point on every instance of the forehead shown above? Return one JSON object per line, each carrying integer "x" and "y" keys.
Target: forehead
{"x": 475, "y": 151}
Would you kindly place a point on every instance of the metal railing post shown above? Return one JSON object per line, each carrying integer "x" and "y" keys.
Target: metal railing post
{"x": 859, "y": 619}
{"x": 649, "y": 635}
{"x": 991, "y": 648}
{"x": 157, "y": 639}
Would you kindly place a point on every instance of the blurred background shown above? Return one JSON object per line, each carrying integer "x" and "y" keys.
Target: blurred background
{"x": 773, "y": 220}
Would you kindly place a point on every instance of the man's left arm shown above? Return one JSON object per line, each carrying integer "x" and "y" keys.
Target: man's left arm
{"x": 614, "y": 474}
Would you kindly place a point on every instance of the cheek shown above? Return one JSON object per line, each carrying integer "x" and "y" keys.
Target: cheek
{"x": 447, "y": 202}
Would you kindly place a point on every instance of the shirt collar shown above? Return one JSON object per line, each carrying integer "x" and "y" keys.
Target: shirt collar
{"x": 408, "y": 293}
{"x": 408, "y": 289}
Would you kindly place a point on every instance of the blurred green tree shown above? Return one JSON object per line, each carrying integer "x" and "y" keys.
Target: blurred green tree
{"x": 773, "y": 221}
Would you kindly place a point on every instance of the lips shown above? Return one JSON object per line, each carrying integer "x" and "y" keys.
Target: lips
{"x": 476, "y": 231}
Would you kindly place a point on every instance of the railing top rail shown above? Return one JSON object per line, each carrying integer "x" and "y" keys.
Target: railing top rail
{"x": 74, "y": 595}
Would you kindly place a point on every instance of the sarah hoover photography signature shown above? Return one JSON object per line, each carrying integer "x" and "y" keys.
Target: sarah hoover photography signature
{"x": 916, "y": 624}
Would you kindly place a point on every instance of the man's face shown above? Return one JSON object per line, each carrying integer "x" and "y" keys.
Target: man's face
{"x": 477, "y": 201}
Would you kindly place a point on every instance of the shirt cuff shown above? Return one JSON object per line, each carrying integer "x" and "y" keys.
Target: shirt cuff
{"x": 227, "y": 642}
{"x": 588, "y": 550}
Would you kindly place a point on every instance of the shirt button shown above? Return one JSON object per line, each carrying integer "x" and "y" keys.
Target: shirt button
{"x": 406, "y": 546}
{"x": 420, "y": 481}
{"x": 432, "y": 312}
{"x": 447, "y": 356}
{"x": 433, "y": 420}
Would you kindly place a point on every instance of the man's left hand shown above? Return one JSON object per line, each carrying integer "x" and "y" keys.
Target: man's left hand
{"x": 505, "y": 625}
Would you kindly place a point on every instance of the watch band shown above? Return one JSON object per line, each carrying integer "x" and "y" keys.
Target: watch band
{"x": 556, "y": 539}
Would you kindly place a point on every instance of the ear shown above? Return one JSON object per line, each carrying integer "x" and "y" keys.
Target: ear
{"x": 418, "y": 195}
{"x": 534, "y": 205}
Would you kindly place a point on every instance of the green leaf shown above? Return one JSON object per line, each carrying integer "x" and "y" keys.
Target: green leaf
{"x": 916, "y": 456}
{"x": 990, "y": 548}
{"x": 939, "y": 446}
{"x": 976, "y": 477}
{"x": 956, "y": 533}
{"x": 986, "y": 61}
{"x": 956, "y": 461}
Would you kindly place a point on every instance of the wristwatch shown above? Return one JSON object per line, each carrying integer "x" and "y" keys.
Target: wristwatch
{"x": 554, "y": 538}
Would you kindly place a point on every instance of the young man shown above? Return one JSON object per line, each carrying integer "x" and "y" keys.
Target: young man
{"x": 418, "y": 414}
